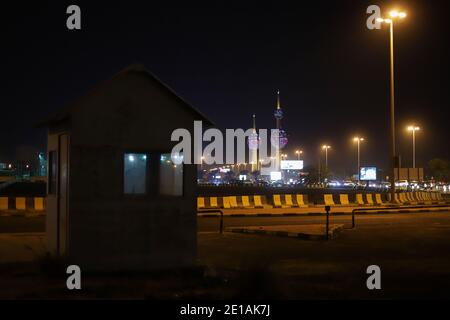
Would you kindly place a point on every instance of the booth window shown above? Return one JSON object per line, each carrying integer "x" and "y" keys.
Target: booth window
{"x": 52, "y": 172}
{"x": 170, "y": 177}
{"x": 135, "y": 173}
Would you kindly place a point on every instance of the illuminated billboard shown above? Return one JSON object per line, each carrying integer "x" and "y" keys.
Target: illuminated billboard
{"x": 368, "y": 173}
{"x": 275, "y": 175}
{"x": 291, "y": 164}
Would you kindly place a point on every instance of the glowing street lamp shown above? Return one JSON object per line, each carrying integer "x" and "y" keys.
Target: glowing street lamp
{"x": 393, "y": 16}
{"x": 413, "y": 129}
{"x": 298, "y": 153}
{"x": 358, "y": 140}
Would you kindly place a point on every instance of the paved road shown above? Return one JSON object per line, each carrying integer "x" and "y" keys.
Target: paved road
{"x": 209, "y": 224}
{"x": 411, "y": 250}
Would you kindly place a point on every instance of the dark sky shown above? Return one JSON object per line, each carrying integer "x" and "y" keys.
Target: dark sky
{"x": 229, "y": 59}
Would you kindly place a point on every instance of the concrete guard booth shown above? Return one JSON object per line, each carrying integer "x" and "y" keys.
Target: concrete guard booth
{"x": 115, "y": 200}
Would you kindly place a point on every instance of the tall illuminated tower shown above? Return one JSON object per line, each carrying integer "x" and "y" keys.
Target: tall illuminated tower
{"x": 253, "y": 143}
{"x": 281, "y": 139}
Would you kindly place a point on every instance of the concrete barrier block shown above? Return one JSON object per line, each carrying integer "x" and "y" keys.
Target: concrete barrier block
{"x": 39, "y": 204}
{"x": 200, "y": 203}
{"x": 213, "y": 202}
{"x": 288, "y": 200}
{"x": 226, "y": 202}
{"x": 21, "y": 203}
{"x": 369, "y": 199}
{"x": 359, "y": 199}
{"x": 328, "y": 199}
{"x": 246, "y": 202}
{"x": 4, "y": 203}
{"x": 343, "y": 199}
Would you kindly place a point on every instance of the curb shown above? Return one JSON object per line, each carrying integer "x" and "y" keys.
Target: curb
{"x": 285, "y": 234}
{"x": 26, "y": 214}
{"x": 337, "y": 213}
{"x": 402, "y": 211}
{"x": 317, "y": 214}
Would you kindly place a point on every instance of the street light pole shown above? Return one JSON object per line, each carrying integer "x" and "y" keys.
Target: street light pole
{"x": 393, "y": 14}
{"x": 414, "y": 129}
{"x": 320, "y": 165}
{"x": 326, "y": 147}
{"x": 358, "y": 141}
{"x": 358, "y": 162}
{"x": 393, "y": 151}
{"x": 414, "y": 148}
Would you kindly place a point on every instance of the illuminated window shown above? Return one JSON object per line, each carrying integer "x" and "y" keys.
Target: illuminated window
{"x": 135, "y": 173}
{"x": 170, "y": 177}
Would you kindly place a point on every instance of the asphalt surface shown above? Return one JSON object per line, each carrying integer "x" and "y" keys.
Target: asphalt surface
{"x": 410, "y": 249}
{"x": 211, "y": 224}
{"x": 17, "y": 224}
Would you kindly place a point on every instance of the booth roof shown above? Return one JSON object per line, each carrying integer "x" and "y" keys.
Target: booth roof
{"x": 135, "y": 68}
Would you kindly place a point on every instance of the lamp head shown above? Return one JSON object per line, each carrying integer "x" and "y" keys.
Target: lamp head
{"x": 413, "y": 128}
{"x": 397, "y": 14}
{"x": 394, "y": 13}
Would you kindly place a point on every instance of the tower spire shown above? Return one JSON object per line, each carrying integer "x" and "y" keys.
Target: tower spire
{"x": 254, "y": 122}
{"x": 282, "y": 139}
{"x": 278, "y": 100}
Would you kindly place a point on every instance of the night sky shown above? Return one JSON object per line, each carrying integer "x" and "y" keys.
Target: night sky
{"x": 229, "y": 60}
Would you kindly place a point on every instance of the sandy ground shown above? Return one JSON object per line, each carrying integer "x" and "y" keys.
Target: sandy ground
{"x": 21, "y": 247}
